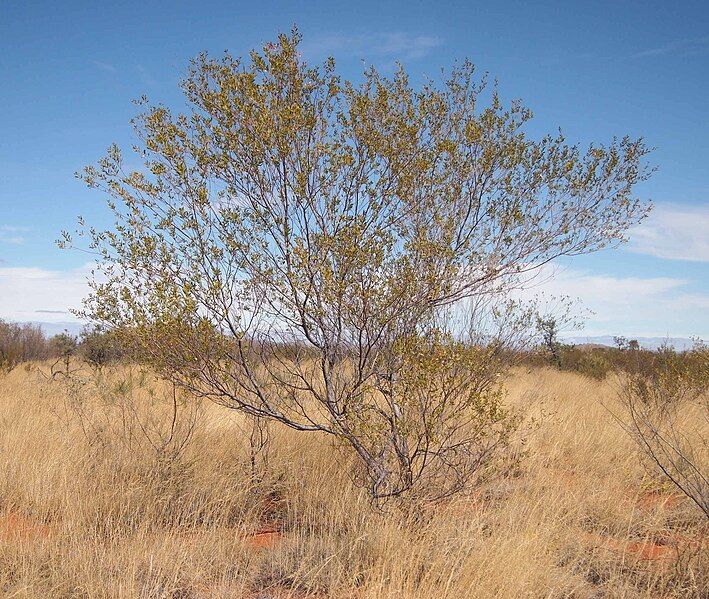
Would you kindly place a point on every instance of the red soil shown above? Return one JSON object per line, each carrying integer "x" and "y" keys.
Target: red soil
{"x": 14, "y": 525}
{"x": 654, "y": 499}
{"x": 650, "y": 550}
{"x": 646, "y": 549}
{"x": 265, "y": 538}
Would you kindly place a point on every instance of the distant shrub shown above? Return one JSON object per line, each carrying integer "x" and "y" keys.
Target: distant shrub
{"x": 20, "y": 343}
{"x": 666, "y": 378}
{"x": 24, "y": 342}
{"x": 63, "y": 347}
{"x": 655, "y": 393}
{"x": 99, "y": 348}
{"x": 628, "y": 358}
{"x": 594, "y": 365}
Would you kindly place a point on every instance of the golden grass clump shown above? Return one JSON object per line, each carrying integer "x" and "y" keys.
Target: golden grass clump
{"x": 100, "y": 496}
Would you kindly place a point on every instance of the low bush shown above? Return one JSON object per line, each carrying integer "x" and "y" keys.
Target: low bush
{"x": 20, "y": 343}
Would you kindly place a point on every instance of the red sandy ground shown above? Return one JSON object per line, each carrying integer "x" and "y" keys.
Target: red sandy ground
{"x": 265, "y": 538}
{"x": 653, "y": 499}
{"x": 14, "y": 526}
{"x": 646, "y": 549}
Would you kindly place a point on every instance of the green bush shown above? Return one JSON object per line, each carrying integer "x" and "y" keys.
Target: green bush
{"x": 594, "y": 365}
{"x": 99, "y": 348}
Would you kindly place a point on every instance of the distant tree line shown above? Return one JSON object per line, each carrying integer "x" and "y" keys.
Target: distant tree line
{"x": 597, "y": 361}
{"x": 25, "y": 342}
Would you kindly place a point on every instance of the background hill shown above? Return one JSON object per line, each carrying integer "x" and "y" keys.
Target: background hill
{"x": 679, "y": 343}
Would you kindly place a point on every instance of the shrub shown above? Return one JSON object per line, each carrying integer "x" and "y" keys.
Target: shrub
{"x": 20, "y": 343}
{"x": 347, "y": 222}
{"x": 100, "y": 348}
{"x": 655, "y": 395}
{"x": 594, "y": 365}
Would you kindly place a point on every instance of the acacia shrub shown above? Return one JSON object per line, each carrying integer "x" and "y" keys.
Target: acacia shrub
{"x": 349, "y": 222}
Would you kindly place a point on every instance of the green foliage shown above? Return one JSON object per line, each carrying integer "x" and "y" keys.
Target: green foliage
{"x": 666, "y": 378}
{"x": 100, "y": 348}
{"x": 64, "y": 345}
{"x": 626, "y": 358}
{"x": 549, "y": 330}
{"x": 594, "y": 365}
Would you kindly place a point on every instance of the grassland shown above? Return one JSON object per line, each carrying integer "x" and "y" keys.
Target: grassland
{"x": 100, "y": 497}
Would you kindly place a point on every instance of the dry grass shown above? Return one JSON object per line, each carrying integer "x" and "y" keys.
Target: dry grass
{"x": 91, "y": 506}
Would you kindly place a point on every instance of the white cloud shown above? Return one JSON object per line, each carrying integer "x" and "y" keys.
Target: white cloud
{"x": 631, "y": 306}
{"x": 10, "y": 234}
{"x": 396, "y": 45}
{"x": 28, "y": 294}
{"x": 613, "y": 290}
{"x": 685, "y": 47}
{"x": 674, "y": 232}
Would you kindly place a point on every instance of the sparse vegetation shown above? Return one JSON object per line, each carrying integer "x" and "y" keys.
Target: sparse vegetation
{"x": 659, "y": 394}
{"x": 100, "y": 348}
{"x": 94, "y": 503}
{"x": 26, "y": 342}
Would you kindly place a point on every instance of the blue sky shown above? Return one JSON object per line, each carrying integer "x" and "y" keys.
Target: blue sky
{"x": 69, "y": 70}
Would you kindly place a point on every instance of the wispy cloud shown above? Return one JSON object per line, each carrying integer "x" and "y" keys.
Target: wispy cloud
{"x": 13, "y": 239}
{"x": 104, "y": 66}
{"x": 604, "y": 294}
{"x": 674, "y": 232}
{"x": 28, "y": 291}
{"x": 13, "y": 235}
{"x": 392, "y": 45}
{"x": 631, "y": 306}
{"x": 697, "y": 45}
